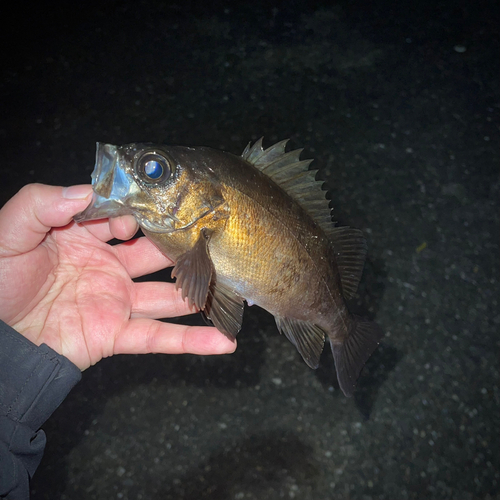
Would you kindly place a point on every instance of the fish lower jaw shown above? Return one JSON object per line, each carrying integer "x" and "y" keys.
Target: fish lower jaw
{"x": 167, "y": 227}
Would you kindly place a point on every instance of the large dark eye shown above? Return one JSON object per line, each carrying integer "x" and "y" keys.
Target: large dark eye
{"x": 153, "y": 167}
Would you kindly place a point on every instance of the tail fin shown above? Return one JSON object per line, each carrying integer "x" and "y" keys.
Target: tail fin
{"x": 351, "y": 355}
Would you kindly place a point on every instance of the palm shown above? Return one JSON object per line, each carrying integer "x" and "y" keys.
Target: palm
{"x": 72, "y": 282}
{"x": 67, "y": 288}
{"x": 86, "y": 291}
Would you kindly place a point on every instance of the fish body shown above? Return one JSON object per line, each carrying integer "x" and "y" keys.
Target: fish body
{"x": 254, "y": 227}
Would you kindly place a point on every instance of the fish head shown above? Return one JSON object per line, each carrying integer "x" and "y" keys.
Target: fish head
{"x": 158, "y": 185}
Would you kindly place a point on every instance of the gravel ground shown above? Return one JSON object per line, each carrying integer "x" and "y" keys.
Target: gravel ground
{"x": 400, "y": 108}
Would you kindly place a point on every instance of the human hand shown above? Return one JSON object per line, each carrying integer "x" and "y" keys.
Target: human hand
{"x": 63, "y": 285}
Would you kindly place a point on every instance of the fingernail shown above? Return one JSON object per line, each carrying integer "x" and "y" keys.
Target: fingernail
{"x": 77, "y": 192}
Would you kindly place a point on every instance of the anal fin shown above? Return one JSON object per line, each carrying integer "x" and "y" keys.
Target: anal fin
{"x": 351, "y": 355}
{"x": 308, "y": 338}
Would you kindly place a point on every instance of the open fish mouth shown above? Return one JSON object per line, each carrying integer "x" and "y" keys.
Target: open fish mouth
{"x": 112, "y": 186}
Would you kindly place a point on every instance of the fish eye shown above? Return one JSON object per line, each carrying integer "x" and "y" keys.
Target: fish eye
{"x": 153, "y": 167}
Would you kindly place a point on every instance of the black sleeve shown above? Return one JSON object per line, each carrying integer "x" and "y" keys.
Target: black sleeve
{"x": 33, "y": 383}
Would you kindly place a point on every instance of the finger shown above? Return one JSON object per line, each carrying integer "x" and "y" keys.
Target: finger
{"x": 98, "y": 228}
{"x": 141, "y": 257}
{"x": 123, "y": 228}
{"x": 159, "y": 300}
{"x": 27, "y": 217}
{"x": 143, "y": 336}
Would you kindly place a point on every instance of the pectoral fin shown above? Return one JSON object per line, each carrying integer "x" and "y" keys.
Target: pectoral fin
{"x": 193, "y": 271}
{"x": 308, "y": 338}
{"x": 225, "y": 309}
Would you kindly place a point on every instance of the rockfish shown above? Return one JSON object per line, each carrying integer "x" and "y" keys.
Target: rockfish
{"x": 254, "y": 228}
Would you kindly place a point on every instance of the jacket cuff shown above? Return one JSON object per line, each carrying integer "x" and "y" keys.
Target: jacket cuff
{"x": 33, "y": 383}
{"x": 34, "y": 380}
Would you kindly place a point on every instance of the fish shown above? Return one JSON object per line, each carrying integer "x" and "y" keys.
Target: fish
{"x": 255, "y": 228}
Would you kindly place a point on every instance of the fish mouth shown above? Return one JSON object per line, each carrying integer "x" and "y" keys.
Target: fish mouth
{"x": 167, "y": 226}
{"x": 111, "y": 184}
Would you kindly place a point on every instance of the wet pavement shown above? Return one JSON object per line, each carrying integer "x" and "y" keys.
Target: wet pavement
{"x": 400, "y": 108}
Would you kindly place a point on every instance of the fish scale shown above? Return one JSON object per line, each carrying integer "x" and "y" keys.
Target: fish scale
{"x": 256, "y": 250}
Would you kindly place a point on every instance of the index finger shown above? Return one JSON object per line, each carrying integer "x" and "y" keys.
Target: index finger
{"x": 121, "y": 228}
{"x": 141, "y": 257}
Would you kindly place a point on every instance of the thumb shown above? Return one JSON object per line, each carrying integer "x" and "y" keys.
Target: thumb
{"x": 30, "y": 214}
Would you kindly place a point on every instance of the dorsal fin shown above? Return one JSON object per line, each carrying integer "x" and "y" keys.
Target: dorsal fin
{"x": 294, "y": 177}
{"x": 350, "y": 251}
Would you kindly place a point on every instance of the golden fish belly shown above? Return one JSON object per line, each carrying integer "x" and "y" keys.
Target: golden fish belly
{"x": 260, "y": 257}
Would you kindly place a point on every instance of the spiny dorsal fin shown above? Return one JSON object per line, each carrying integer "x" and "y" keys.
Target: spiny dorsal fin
{"x": 294, "y": 177}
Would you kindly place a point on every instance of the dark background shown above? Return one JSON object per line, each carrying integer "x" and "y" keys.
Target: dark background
{"x": 399, "y": 105}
